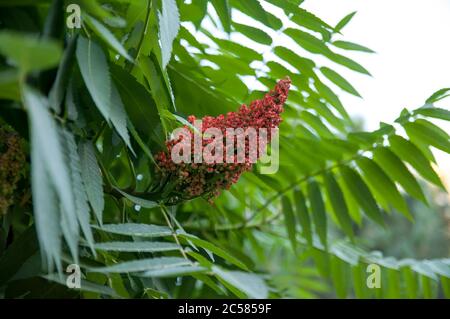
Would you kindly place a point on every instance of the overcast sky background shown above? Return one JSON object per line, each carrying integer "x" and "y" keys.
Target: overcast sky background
{"x": 411, "y": 38}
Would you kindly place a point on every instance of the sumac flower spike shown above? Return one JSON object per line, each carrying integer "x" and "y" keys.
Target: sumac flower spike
{"x": 219, "y": 170}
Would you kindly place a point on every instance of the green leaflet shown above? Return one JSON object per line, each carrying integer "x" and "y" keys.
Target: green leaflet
{"x": 434, "y": 112}
{"x": 308, "y": 41}
{"x": 107, "y": 36}
{"x": 239, "y": 50}
{"x": 213, "y": 248}
{"x": 395, "y": 168}
{"x": 56, "y": 94}
{"x": 337, "y": 79}
{"x": 438, "y": 95}
{"x": 339, "y": 275}
{"x": 82, "y": 210}
{"x": 253, "y": 33}
{"x": 85, "y": 286}
{"x": 410, "y": 153}
{"x": 361, "y": 194}
{"x": 383, "y": 185}
{"x": 157, "y": 86}
{"x": 132, "y": 229}
{"x": 254, "y": 9}
{"x": 344, "y": 21}
{"x": 315, "y": 122}
{"x": 138, "y": 200}
{"x": 92, "y": 178}
{"x": 338, "y": 204}
{"x": 331, "y": 98}
{"x": 349, "y": 63}
{"x": 136, "y": 246}
{"x": 308, "y": 20}
{"x": 428, "y": 134}
{"x": 175, "y": 271}
{"x": 250, "y": 284}
{"x": 50, "y": 181}
{"x": 289, "y": 220}
{"x": 410, "y": 282}
{"x": 346, "y": 45}
{"x": 140, "y": 106}
{"x": 95, "y": 71}
{"x": 303, "y": 215}
{"x": 223, "y": 10}
{"x": 143, "y": 265}
{"x": 169, "y": 24}
{"x": 317, "y": 208}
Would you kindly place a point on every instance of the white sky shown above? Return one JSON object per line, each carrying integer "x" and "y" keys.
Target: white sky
{"x": 411, "y": 38}
{"x": 413, "y": 51}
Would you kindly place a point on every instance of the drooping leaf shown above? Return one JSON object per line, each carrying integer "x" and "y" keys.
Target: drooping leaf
{"x": 253, "y": 33}
{"x": 410, "y": 153}
{"x": 138, "y": 200}
{"x": 57, "y": 91}
{"x": 253, "y": 9}
{"x": 349, "y": 63}
{"x": 214, "y": 249}
{"x": 169, "y": 24}
{"x": 136, "y": 246}
{"x": 82, "y": 209}
{"x": 383, "y": 185}
{"x": 346, "y": 45}
{"x": 317, "y": 208}
{"x": 337, "y": 79}
{"x": 250, "y": 284}
{"x": 85, "y": 286}
{"x": 308, "y": 41}
{"x": 344, "y": 21}
{"x": 223, "y": 10}
{"x": 307, "y": 20}
{"x": 362, "y": 194}
{"x": 140, "y": 230}
{"x": 434, "y": 112}
{"x": 438, "y": 95}
{"x": 395, "y": 168}
{"x": 158, "y": 263}
{"x": 119, "y": 117}
{"x": 139, "y": 105}
{"x": 289, "y": 220}
{"x": 338, "y": 204}
{"x": 303, "y": 215}
{"x": 429, "y": 134}
{"x": 50, "y": 179}
{"x": 175, "y": 271}
{"x": 94, "y": 69}
{"x": 157, "y": 86}
{"x": 92, "y": 178}
{"x": 331, "y": 98}
{"x": 107, "y": 36}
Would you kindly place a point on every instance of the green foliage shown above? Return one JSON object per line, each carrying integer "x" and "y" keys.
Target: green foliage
{"x": 96, "y": 112}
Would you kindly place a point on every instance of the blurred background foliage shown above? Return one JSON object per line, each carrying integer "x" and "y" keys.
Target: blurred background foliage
{"x": 93, "y": 105}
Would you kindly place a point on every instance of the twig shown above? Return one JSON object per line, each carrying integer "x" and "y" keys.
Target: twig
{"x": 166, "y": 217}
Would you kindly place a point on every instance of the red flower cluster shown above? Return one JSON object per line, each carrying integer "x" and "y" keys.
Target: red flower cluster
{"x": 209, "y": 177}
